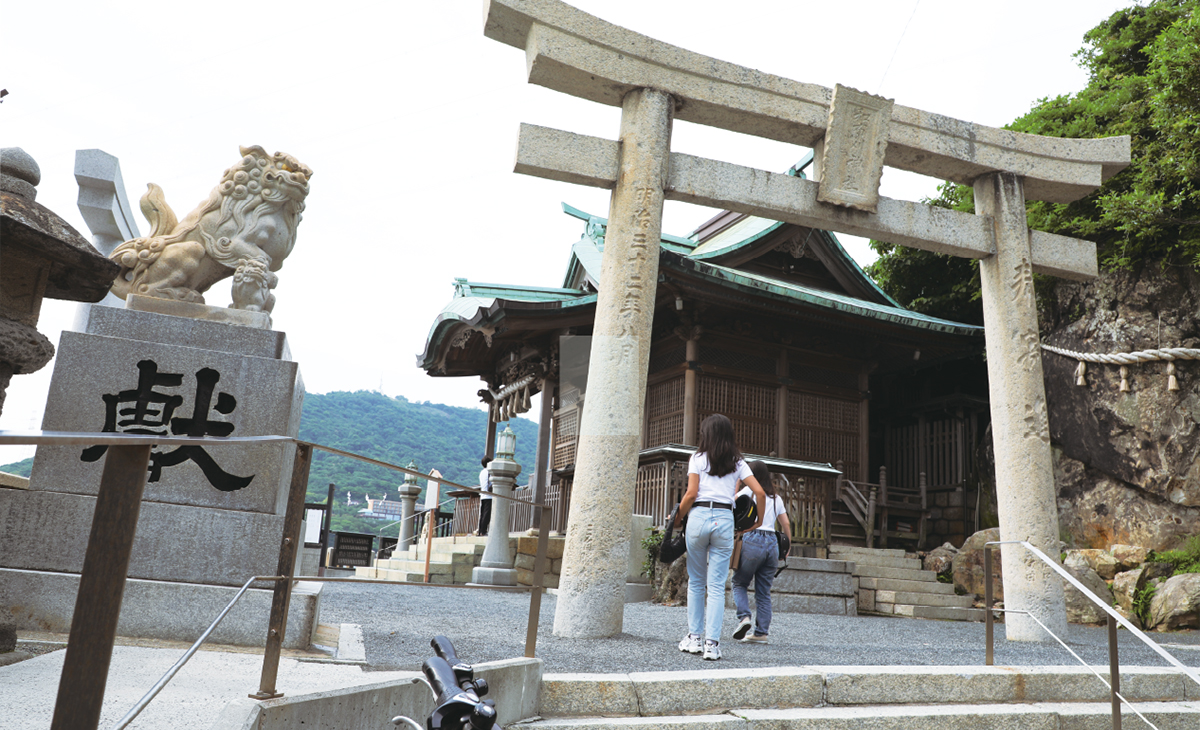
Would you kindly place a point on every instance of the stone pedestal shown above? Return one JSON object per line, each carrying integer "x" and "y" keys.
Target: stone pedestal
{"x": 211, "y": 516}
{"x": 496, "y": 566}
{"x": 1020, "y": 427}
{"x": 591, "y": 598}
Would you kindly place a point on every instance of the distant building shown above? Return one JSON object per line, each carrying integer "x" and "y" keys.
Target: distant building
{"x": 380, "y": 509}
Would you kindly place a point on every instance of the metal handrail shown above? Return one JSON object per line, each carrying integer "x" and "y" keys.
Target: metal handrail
{"x": 162, "y": 682}
{"x": 415, "y": 515}
{"x": 121, "y": 485}
{"x": 1114, "y": 664}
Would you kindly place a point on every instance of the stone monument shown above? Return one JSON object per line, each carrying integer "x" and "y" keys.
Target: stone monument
{"x": 212, "y": 516}
{"x": 853, "y": 136}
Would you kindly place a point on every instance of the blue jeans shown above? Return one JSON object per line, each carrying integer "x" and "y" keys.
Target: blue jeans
{"x": 709, "y": 547}
{"x": 760, "y": 559}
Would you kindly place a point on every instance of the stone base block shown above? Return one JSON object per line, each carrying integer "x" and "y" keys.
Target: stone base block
{"x": 43, "y": 601}
{"x": 179, "y": 543}
{"x": 866, "y": 600}
{"x": 796, "y": 603}
{"x": 638, "y": 592}
{"x": 494, "y": 576}
{"x": 813, "y": 582}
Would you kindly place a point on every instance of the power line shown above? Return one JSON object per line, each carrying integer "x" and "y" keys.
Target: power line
{"x": 899, "y": 40}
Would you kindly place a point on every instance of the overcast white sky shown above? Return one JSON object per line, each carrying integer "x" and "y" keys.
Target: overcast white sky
{"x": 408, "y": 117}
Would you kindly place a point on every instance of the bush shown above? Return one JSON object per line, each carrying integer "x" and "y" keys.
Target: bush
{"x": 651, "y": 544}
{"x": 1186, "y": 558}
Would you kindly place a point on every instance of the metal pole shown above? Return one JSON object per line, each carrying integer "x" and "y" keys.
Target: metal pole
{"x": 987, "y": 601}
{"x": 1114, "y": 674}
{"x": 541, "y": 517}
{"x": 101, "y": 588}
{"x": 429, "y": 542}
{"x": 326, "y": 526}
{"x": 287, "y": 563}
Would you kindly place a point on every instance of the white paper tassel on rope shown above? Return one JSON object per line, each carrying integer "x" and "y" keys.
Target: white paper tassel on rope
{"x": 1124, "y": 379}
{"x": 1172, "y": 383}
{"x": 1081, "y": 373}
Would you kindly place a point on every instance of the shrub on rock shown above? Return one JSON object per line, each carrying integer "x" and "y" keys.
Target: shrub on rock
{"x": 1176, "y": 603}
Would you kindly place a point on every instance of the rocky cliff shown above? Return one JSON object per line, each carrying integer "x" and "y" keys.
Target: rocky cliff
{"x": 1126, "y": 462}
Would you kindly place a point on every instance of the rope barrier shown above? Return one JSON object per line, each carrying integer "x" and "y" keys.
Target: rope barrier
{"x": 1125, "y": 359}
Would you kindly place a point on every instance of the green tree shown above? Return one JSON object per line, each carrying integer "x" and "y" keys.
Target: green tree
{"x": 1143, "y": 66}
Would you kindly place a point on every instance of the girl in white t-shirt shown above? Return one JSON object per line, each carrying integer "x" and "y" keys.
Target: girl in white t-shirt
{"x": 759, "y": 562}
{"x": 714, "y": 473}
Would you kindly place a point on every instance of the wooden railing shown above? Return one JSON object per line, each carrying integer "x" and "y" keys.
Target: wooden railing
{"x": 891, "y": 511}
{"x": 520, "y": 516}
{"x": 862, "y": 508}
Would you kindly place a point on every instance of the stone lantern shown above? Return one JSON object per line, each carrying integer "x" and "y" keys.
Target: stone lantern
{"x": 496, "y": 566}
{"x": 41, "y": 255}
{"x": 408, "y": 500}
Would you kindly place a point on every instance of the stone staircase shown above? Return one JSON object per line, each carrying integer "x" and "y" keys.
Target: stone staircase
{"x": 450, "y": 561}
{"x": 854, "y": 698}
{"x": 893, "y": 583}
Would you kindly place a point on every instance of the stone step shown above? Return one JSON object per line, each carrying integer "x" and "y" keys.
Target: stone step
{"x": 923, "y": 599}
{"x": 880, "y": 552}
{"x": 910, "y": 586}
{"x": 1040, "y": 716}
{"x": 406, "y": 576}
{"x": 949, "y": 613}
{"x": 864, "y": 557}
{"x": 416, "y": 566}
{"x": 879, "y": 571}
{"x": 569, "y": 699}
{"x": 434, "y": 557}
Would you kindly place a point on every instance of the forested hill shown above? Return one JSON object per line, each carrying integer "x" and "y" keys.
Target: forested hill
{"x": 446, "y": 438}
{"x": 395, "y": 430}
{"x": 436, "y": 436}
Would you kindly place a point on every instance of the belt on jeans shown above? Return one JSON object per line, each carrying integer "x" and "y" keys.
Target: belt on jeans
{"x": 714, "y": 505}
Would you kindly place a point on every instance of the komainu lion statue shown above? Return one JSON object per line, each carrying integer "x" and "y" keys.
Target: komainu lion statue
{"x": 245, "y": 229}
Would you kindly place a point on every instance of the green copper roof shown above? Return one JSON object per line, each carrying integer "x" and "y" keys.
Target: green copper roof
{"x": 470, "y": 289}
{"x": 746, "y": 231}
{"x": 829, "y": 300}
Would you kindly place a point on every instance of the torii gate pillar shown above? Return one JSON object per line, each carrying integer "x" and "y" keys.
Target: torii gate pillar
{"x": 1025, "y": 492}
{"x": 591, "y": 589}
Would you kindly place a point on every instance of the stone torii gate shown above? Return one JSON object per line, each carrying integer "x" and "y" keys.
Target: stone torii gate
{"x": 853, "y": 136}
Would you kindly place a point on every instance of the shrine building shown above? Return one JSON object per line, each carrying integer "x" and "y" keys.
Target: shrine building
{"x": 871, "y": 413}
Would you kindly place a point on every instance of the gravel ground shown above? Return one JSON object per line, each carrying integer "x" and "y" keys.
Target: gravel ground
{"x": 397, "y": 623}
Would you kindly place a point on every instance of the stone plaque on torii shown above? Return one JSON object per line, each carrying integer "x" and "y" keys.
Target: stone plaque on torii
{"x": 853, "y": 136}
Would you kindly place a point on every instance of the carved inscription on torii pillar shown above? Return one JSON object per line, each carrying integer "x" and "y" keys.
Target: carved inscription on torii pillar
{"x": 578, "y": 54}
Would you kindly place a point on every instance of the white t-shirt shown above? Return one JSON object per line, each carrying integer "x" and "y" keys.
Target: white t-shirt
{"x": 717, "y": 489}
{"x": 483, "y": 484}
{"x": 772, "y": 508}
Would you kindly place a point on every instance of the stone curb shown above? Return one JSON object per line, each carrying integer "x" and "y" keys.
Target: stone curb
{"x": 664, "y": 694}
{"x": 1049, "y": 716}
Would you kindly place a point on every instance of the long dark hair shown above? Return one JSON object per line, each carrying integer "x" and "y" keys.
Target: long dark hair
{"x": 763, "y": 476}
{"x": 717, "y": 443}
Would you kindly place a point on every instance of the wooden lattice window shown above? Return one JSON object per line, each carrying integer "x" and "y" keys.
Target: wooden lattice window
{"x": 823, "y": 429}
{"x": 664, "y": 413}
{"x": 566, "y": 437}
{"x": 750, "y": 407}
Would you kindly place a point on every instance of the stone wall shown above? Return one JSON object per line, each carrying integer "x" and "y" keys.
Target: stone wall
{"x": 950, "y": 518}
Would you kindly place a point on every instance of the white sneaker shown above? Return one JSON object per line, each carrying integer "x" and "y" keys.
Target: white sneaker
{"x": 712, "y": 650}
{"x": 692, "y": 644}
{"x": 742, "y": 628}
